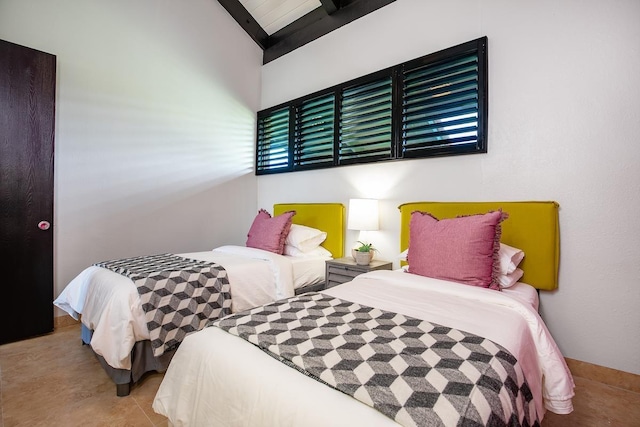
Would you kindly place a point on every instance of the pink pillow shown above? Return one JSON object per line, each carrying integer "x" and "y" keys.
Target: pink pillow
{"x": 269, "y": 233}
{"x": 463, "y": 249}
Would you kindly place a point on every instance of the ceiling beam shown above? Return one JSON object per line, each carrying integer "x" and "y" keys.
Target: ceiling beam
{"x": 246, "y": 21}
{"x": 332, "y": 15}
{"x": 316, "y": 24}
{"x": 330, "y": 5}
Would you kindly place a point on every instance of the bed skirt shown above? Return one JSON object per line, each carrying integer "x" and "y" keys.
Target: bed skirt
{"x": 318, "y": 287}
{"x": 142, "y": 361}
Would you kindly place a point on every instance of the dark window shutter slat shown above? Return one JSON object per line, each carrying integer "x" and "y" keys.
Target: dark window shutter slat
{"x": 457, "y": 68}
{"x": 467, "y": 123}
{"x": 435, "y": 145}
{"x": 451, "y": 95}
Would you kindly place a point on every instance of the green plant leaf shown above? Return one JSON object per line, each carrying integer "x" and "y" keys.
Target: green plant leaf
{"x": 365, "y": 247}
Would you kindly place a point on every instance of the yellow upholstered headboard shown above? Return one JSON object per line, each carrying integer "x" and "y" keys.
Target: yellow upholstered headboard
{"x": 327, "y": 217}
{"x": 531, "y": 226}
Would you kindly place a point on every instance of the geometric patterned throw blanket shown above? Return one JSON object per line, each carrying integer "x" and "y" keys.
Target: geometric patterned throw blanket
{"x": 415, "y": 372}
{"x": 178, "y": 295}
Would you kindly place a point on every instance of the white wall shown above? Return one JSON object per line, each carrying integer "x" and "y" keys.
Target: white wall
{"x": 155, "y": 125}
{"x": 564, "y": 120}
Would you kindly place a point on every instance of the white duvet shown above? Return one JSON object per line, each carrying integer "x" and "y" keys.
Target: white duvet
{"x": 110, "y": 304}
{"x": 219, "y": 379}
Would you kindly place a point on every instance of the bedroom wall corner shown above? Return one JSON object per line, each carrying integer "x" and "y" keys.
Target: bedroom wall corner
{"x": 155, "y": 125}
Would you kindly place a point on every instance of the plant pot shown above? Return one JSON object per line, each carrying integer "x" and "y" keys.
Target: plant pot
{"x": 362, "y": 258}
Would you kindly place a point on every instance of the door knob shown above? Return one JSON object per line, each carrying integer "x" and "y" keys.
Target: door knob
{"x": 44, "y": 225}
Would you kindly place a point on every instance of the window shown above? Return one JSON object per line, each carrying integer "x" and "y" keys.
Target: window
{"x": 273, "y": 147}
{"x": 440, "y": 107}
{"x": 314, "y": 132}
{"x": 435, "y": 105}
{"x": 365, "y": 122}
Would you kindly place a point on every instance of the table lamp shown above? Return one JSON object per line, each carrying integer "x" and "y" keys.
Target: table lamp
{"x": 363, "y": 216}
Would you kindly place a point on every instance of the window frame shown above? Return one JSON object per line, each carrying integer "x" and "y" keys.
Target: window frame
{"x": 396, "y": 73}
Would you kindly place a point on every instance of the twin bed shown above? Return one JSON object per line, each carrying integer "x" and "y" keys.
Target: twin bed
{"x": 388, "y": 348}
{"x": 110, "y": 308}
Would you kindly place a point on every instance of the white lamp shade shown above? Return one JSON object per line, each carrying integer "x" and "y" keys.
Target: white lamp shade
{"x": 363, "y": 215}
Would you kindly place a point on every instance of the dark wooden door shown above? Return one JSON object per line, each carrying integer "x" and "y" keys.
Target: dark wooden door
{"x": 27, "y": 108}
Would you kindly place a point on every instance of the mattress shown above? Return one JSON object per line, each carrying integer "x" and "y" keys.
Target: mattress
{"x": 220, "y": 379}
{"x": 525, "y": 293}
{"x": 109, "y": 303}
{"x": 307, "y": 271}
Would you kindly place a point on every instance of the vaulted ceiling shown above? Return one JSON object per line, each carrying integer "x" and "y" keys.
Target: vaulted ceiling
{"x": 280, "y": 26}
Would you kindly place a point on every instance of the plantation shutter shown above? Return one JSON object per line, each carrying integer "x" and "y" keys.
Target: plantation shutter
{"x": 272, "y": 151}
{"x": 440, "y": 108}
{"x": 434, "y": 105}
{"x": 365, "y": 122}
{"x": 314, "y": 132}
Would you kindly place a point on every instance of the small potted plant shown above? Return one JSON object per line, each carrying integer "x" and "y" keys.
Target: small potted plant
{"x": 363, "y": 254}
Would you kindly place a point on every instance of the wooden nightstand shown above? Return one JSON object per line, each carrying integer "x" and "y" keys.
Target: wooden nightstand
{"x": 343, "y": 270}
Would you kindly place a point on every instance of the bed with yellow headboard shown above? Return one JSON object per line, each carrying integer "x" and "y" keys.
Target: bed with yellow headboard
{"x": 253, "y": 279}
{"x": 532, "y": 226}
{"x": 374, "y": 309}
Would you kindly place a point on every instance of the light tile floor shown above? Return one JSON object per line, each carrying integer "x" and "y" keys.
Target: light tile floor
{"x": 55, "y": 381}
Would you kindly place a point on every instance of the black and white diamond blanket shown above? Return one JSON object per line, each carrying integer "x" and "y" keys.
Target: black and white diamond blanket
{"x": 178, "y": 295}
{"x": 415, "y": 372}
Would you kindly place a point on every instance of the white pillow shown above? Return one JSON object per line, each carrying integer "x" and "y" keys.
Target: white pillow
{"x": 305, "y": 238}
{"x": 508, "y": 280}
{"x": 402, "y": 256}
{"x": 317, "y": 252}
{"x": 510, "y": 257}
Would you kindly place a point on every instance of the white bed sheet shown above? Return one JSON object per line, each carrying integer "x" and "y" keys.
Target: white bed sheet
{"x": 522, "y": 291}
{"x": 110, "y": 304}
{"x": 219, "y": 379}
{"x": 308, "y": 271}
{"x": 525, "y": 293}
